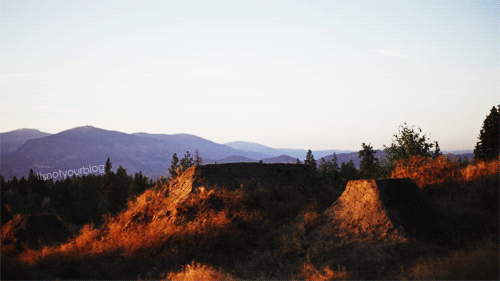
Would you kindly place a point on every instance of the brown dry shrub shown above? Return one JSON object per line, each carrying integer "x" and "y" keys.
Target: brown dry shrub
{"x": 425, "y": 171}
{"x": 197, "y": 271}
{"x": 479, "y": 169}
{"x": 309, "y": 272}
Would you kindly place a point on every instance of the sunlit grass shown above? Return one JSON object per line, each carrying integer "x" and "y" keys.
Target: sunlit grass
{"x": 196, "y": 272}
{"x": 309, "y": 272}
{"x": 232, "y": 235}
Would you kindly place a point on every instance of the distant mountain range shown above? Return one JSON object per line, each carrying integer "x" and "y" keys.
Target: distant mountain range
{"x": 13, "y": 140}
{"x": 294, "y": 153}
{"x": 25, "y": 149}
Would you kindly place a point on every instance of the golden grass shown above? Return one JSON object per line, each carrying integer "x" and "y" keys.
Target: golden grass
{"x": 197, "y": 272}
{"x": 208, "y": 225}
{"x": 425, "y": 171}
{"x": 257, "y": 236}
{"x": 479, "y": 169}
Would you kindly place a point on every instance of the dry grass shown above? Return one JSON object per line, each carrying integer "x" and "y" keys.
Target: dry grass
{"x": 426, "y": 171}
{"x": 196, "y": 272}
{"x": 309, "y": 272}
{"x": 479, "y": 169}
{"x": 151, "y": 226}
{"x": 213, "y": 227}
{"x": 233, "y": 235}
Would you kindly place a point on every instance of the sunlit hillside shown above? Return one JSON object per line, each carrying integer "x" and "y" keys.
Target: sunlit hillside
{"x": 237, "y": 234}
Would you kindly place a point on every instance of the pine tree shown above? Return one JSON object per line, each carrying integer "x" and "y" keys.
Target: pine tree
{"x": 108, "y": 166}
{"x": 107, "y": 189}
{"x": 174, "y": 166}
{"x": 119, "y": 192}
{"x": 348, "y": 172}
{"x": 310, "y": 159}
{"x": 186, "y": 162}
{"x": 368, "y": 163}
{"x": 197, "y": 158}
{"x": 487, "y": 148}
{"x": 138, "y": 185}
{"x": 329, "y": 170}
{"x": 324, "y": 168}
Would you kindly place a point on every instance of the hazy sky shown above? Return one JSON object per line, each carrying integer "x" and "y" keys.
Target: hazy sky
{"x": 294, "y": 74}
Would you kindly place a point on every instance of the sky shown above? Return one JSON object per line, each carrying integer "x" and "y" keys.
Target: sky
{"x": 286, "y": 74}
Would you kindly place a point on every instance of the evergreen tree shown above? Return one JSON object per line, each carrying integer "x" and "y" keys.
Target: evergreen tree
{"x": 197, "y": 158}
{"x": 138, "y": 185}
{"x": 368, "y": 164}
{"x": 348, "y": 172}
{"x": 487, "y": 148}
{"x": 108, "y": 166}
{"x": 298, "y": 161}
{"x": 336, "y": 173}
{"x": 324, "y": 168}
{"x": 329, "y": 170}
{"x": 174, "y": 167}
{"x": 106, "y": 193}
{"x": 310, "y": 159}
{"x": 437, "y": 150}
{"x": 120, "y": 190}
{"x": 186, "y": 162}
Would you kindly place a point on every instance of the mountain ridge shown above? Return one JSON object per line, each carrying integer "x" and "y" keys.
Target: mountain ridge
{"x": 150, "y": 154}
{"x": 275, "y": 152}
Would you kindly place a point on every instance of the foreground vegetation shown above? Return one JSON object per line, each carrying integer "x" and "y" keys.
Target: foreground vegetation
{"x": 225, "y": 235}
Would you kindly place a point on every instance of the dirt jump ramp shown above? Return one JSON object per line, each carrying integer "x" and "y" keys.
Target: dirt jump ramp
{"x": 389, "y": 208}
{"x": 274, "y": 179}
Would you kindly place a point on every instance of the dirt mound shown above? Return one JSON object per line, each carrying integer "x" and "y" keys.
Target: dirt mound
{"x": 34, "y": 231}
{"x": 285, "y": 182}
{"x": 388, "y": 208}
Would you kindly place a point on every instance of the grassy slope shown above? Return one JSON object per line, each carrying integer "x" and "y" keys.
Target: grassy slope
{"x": 226, "y": 235}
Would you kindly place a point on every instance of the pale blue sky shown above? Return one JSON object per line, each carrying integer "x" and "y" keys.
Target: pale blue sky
{"x": 294, "y": 74}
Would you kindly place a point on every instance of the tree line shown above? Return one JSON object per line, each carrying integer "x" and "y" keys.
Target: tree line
{"x": 408, "y": 142}
{"x": 78, "y": 200}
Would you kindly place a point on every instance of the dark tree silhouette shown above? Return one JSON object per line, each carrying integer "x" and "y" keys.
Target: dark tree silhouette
{"x": 368, "y": 163}
{"x": 174, "y": 166}
{"x": 410, "y": 142}
{"x": 310, "y": 159}
{"x": 197, "y": 158}
{"x": 487, "y": 148}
